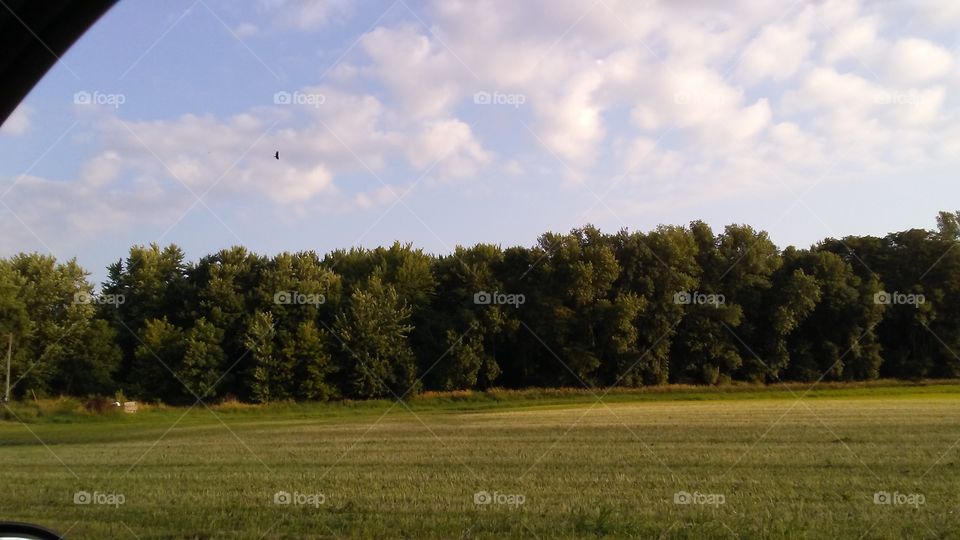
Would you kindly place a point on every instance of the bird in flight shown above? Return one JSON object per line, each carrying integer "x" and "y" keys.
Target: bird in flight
{"x": 276, "y": 154}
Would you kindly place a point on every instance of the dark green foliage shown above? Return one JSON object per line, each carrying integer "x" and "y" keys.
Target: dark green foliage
{"x": 54, "y": 343}
{"x": 678, "y": 304}
{"x": 376, "y": 359}
{"x": 307, "y": 351}
{"x": 838, "y": 339}
{"x": 272, "y": 376}
{"x": 465, "y": 356}
{"x": 203, "y": 360}
{"x": 92, "y": 362}
{"x": 225, "y": 286}
{"x": 654, "y": 266}
{"x": 156, "y": 360}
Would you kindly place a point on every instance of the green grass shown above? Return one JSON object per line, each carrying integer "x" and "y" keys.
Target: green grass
{"x": 786, "y": 467}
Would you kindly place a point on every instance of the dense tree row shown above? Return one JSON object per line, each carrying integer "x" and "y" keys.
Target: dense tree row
{"x": 677, "y": 304}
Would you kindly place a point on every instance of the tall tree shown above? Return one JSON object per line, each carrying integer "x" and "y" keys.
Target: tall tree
{"x": 203, "y": 360}
{"x": 15, "y": 324}
{"x": 706, "y": 347}
{"x": 570, "y": 299}
{"x": 156, "y": 360}
{"x": 466, "y": 358}
{"x": 376, "y": 358}
{"x": 307, "y": 350}
{"x": 58, "y": 303}
{"x": 654, "y": 266}
{"x": 227, "y": 288}
{"x": 948, "y": 226}
{"x": 152, "y": 282}
{"x": 838, "y": 340}
{"x": 272, "y": 375}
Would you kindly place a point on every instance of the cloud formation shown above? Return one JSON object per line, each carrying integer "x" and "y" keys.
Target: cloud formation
{"x": 675, "y": 101}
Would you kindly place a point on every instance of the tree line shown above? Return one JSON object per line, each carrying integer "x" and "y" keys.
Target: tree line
{"x": 678, "y": 304}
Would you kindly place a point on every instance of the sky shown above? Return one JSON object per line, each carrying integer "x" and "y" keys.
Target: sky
{"x": 452, "y": 122}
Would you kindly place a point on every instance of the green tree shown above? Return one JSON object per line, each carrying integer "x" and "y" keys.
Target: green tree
{"x": 90, "y": 366}
{"x": 918, "y": 270}
{"x": 376, "y": 358}
{"x": 227, "y": 294}
{"x": 948, "y": 226}
{"x": 655, "y": 267}
{"x": 203, "y": 360}
{"x": 15, "y": 324}
{"x": 747, "y": 261}
{"x": 466, "y": 356}
{"x": 298, "y": 287}
{"x": 307, "y": 351}
{"x": 272, "y": 375}
{"x": 156, "y": 359}
{"x": 58, "y": 303}
{"x": 705, "y": 348}
{"x": 152, "y": 282}
{"x": 13, "y": 312}
{"x": 517, "y": 352}
{"x": 620, "y": 342}
{"x": 838, "y": 340}
{"x": 571, "y": 294}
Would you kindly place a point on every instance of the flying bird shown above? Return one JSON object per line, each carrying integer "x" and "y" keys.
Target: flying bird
{"x": 276, "y": 154}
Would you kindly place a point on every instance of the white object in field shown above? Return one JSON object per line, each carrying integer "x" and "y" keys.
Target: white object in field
{"x": 129, "y": 406}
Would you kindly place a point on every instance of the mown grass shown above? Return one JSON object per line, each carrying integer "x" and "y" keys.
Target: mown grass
{"x": 786, "y": 466}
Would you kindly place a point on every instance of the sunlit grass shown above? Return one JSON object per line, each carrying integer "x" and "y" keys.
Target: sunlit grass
{"x": 785, "y": 467}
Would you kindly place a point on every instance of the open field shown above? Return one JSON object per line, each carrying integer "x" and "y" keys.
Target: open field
{"x": 545, "y": 465}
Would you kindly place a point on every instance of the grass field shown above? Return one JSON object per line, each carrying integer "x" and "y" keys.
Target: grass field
{"x": 755, "y": 463}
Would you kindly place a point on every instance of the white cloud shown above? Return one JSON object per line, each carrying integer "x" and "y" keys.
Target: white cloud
{"x": 915, "y": 108}
{"x": 794, "y": 145}
{"x": 377, "y": 197}
{"x": 826, "y": 88}
{"x": 914, "y": 60}
{"x": 699, "y": 103}
{"x": 852, "y": 41}
{"x": 644, "y": 156}
{"x": 932, "y": 14}
{"x": 289, "y": 184}
{"x": 841, "y": 83}
{"x": 451, "y": 145}
{"x": 569, "y": 121}
{"x": 56, "y": 214}
{"x": 422, "y": 75}
{"x": 777, "y": 53}
{"x": 102, "y": 169}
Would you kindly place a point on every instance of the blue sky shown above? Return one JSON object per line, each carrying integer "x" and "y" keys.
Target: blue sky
{"x": 455, "y": 122}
